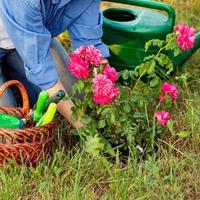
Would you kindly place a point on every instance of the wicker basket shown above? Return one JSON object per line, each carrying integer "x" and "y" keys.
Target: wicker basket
{"x": 25, "y": 146}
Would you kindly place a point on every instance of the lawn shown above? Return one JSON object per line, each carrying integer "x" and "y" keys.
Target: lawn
{"x": 174, "y": 173}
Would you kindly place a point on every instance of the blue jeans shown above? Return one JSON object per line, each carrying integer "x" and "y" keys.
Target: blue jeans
{"x": 12, "y": 68}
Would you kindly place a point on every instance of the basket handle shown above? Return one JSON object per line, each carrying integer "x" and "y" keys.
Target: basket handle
{"x": 22, "y": 89}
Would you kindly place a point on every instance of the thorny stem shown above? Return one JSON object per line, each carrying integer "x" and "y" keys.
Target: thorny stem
{"x": 138, "y": 81}
{"x": 163, "y": 48}
{"x": 154, "y": 125}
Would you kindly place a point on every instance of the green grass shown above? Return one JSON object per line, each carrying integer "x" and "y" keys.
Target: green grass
{"x": 173, "y": 174}
{"x": 80, "y": 176}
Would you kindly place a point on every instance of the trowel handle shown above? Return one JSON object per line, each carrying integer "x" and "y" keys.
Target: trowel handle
{"x": 42, "y": 99}
{"x": 54, "y": 99}
{"x": 150, "y": 4}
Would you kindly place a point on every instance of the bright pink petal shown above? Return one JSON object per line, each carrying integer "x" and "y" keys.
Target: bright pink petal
{"x": 104, "y": 90}
{"x": 93, "y": 55}
{"x": 78, "y": 67}
{"x": 170, "y": 89}
{"x": 111, "y": 73}
{"x": 185, "y": 36}
{"x": 162, "y": 117}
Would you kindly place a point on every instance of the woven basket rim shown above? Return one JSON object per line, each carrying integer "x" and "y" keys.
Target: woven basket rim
{"x": 30, "y": 140}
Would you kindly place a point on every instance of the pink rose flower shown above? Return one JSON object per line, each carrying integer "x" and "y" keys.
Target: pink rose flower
{"x": 162, "y": 117}
{"x": 80, "y": 51}
{"x": 110, "y": 72}
{"x": 78, "y": 67}
{"x": 104, "y": 90}
{"x": 185, "y": 36}
{"x": 93, "y": 55}
{"x": 170, "y": 89}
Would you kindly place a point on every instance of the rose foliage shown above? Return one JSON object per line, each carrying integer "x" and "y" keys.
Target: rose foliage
{"x": 121, "y": 110}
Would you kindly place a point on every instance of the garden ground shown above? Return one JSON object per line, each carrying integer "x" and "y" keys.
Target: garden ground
{"x": 173, "y": 174}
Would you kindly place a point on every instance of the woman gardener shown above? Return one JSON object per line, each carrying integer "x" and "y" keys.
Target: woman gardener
{"x": 28, "y": 53}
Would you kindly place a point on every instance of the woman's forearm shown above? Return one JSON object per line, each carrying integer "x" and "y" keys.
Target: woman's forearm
{"x": 64, "y": 107}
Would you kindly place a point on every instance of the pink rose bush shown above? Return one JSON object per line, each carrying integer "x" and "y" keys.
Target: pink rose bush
{"x": 114, "y": 114}
{"x": 170, "y": 89}
{"x": 83, "y": 62}
{"x": 185, "y": 36}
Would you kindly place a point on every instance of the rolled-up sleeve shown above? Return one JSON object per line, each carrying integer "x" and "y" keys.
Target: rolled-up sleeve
{"x": 87, "y": 29}
{"x": 24, "y": 23}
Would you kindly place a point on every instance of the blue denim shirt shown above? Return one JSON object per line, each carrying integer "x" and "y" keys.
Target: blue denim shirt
{"x": 31, "y": 24}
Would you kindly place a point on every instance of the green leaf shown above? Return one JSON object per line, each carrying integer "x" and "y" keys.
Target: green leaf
{"x": 164, "y": 58}
{"x": 74, "y": 88}
{"x": 142, "y": 70}
{"x": 105, "y": 111}
{"x": 127, "y": 108}
{"x": 169, "y": 37}
{"x": 125, "y": 74}
{"x": 99, "y": 110}
{"x": 148, "y": 58}
{"x": 177, "y": 51}
{"x": 141, "y": 103}
{"x": 183, "y": 134}
{"x": 154, "y": 42}
{"x": 94, "y": 145}
{"x": 112, "y": 118}
{"x": 170, "y": 125}
{"x": 86, "y": 119}
{"x": 134, "y": 74}
{"x": 101, "y": 123}
{"x": 91, "y": 105}
{"x": 75, "y": 113}
{"x": 151, "y": 67}
{"x": 154, "y": 82}
{"x": 148, "y": 44}
{"x": 158, "y": 43}
{"x": 107, "y": 147}
{"x": 159, "y": 60}
{"x": 80, "y": 85}
{"x": 170, "y": 68}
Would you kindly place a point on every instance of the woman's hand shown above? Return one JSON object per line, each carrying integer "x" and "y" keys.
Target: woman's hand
{"x": 65, "y": 107}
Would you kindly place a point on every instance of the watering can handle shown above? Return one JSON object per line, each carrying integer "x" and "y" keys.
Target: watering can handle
{"x": 150, "y": 4}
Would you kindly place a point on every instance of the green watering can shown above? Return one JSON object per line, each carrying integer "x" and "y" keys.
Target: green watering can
{"x": 126, "y": 30}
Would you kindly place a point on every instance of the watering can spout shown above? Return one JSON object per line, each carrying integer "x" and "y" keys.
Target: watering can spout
{"x": 180, "y": 60}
